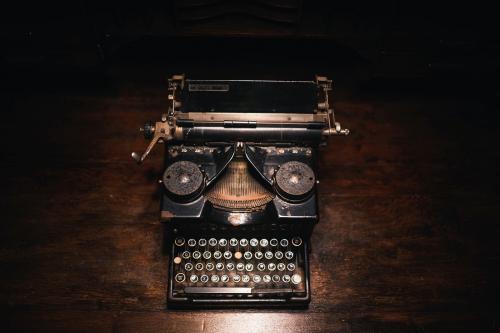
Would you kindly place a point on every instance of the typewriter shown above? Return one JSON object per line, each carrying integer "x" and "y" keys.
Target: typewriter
{"x": 239, "y": 188}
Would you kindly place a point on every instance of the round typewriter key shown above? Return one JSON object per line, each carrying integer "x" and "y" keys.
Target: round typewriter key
{"x": 273, "y": 242}
{"x": 233, "y": 242}
{"x": 248, "y": 255}
{"x": 257, "y": 278}
{"x": 217, "y": 255}
{"x": 193, "y": 278}
{"x": 261, "y": 266}
{"x": 236, "y": 278}
{"x": 207, "y": 255}
{"x": 296, "y": 279}
{"x": 204, "y": 278}
{"x": 271, "y": 267}
{"x": 296, "y": 241}
{"x": 212, "y": 242}
{"x": 180, "y": 277}
{"x": 240, "y": 266}
{"x": 243, "y": 242}
{"x": 237, "y": 255}
{"x": 199, "y": 266}
{"x": 258, "y": 255}
{"x": 278, "y": 255}
{"x": 224, "y": 278}
{"x": 177, "y": 260}
{"x": 215, "y": 278}
{"x": 186, "y": 254}
{"x": 179, "y": 241}
{"x": 269, "y": 255}
{"x": 191, "y": 242}
{"x": 228, "y": 255}
{"x": 202, "y": 242}
{"x": 290, "y": 267}
{"x": 264, "y": 242}
{"x": 281, "y": 267}
{"x": 222, "y": 242}
{"x": 285, "y": 278}
{"x": 209, "y": 266}
{"x": 254, "y": 242}
{"x": 289, "y": 255}
{"x": 188, "y": 266}
{"x": 245, "y": 278}
{"x": 219, "y": 266}
{"x": 230, "y": 266}
{"x": 266, "y": 278}
{"x": 196, "y": 255}
{"x": 284, "y": 242}
{"x": 276, "y": 278}
{"x": 249, "y": 267}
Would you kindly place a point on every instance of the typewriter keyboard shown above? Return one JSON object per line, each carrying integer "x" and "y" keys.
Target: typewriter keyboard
{"x": 238, "y": 266}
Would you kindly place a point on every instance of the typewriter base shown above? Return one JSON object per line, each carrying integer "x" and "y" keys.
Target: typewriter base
{"x": 213, "y": 303}
{"x": 217, "y": 295}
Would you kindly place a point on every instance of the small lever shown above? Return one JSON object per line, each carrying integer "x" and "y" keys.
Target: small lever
{"x": 136, "y": 157}
{"x": 336, "y": 131}
{"x": 161, "y": 130}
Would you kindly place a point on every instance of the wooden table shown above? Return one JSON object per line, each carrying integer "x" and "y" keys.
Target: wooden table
{"x": 407, "y": 240}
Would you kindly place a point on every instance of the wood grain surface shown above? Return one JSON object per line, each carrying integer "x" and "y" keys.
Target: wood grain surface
{"x": 408, "y": 239}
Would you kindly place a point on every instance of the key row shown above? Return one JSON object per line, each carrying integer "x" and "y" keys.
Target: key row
{"x": 239, "y": 267}
{"x": 237, "y": 255}
{"x": 180, "y": 241}
{"x": 295, "y": 278}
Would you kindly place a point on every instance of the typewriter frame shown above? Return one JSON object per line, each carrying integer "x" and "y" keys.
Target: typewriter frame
{"x": 266, "y": 140}
{"x": 200, "y": 215}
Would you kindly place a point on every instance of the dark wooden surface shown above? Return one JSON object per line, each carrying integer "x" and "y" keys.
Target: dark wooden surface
{"x": 408, "y": 240}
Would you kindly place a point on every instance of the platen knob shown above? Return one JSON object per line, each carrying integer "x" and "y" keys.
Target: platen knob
{"x": 148, "y": 130}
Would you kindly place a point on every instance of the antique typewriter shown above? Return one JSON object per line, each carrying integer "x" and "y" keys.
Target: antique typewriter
{"x": 238, "y": 191}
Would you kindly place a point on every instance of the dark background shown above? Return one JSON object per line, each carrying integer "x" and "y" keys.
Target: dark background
{"x": 409, "y": 203}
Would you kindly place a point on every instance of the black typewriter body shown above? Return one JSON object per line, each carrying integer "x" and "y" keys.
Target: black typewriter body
{"x": 239, "y": 198}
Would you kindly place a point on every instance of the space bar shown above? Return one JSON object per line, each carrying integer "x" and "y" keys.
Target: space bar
{"x": 215, "y": 290}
